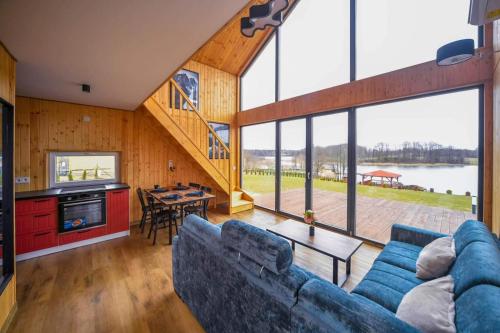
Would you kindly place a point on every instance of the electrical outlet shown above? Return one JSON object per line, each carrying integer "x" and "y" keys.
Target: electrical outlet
{"x": 22, "y": 180}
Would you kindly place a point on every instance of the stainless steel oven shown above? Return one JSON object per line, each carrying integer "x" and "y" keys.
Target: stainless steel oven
{"x": 81, "y": 211}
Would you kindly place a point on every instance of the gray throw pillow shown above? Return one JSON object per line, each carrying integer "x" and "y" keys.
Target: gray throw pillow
{"x": 429, "y": 307}
{"x": 435, "y": 259}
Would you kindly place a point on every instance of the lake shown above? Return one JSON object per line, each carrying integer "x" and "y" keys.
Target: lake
{"x": 459, "y": 179}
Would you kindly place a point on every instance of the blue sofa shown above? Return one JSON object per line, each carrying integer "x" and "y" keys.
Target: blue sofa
{"x": 239, "y": 278}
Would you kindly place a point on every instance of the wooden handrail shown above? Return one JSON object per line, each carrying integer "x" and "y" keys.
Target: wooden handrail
{"x": 226, "y": 177}
{"x": 181, "y": 92}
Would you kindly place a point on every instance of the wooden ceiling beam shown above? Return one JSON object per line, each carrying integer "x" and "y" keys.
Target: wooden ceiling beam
{"x": 412, "y": 81}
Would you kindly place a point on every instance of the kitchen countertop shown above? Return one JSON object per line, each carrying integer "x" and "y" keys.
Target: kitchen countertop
{"x": 54, "y": 192}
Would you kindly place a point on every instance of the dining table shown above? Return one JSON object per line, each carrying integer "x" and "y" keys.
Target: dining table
{"x": 186, "y": 196}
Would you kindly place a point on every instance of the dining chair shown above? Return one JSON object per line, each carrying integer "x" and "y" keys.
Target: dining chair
{"x": 205, "y": 203}
{"x": 145, "y": 209}
{"x": 199, "y": 207}
{"x": 159, "y": 215}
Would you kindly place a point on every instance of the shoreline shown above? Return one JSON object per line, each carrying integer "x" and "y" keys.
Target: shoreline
{"x": 414, "y": 164}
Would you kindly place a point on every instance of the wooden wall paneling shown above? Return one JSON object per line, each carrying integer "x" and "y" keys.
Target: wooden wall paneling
{"x": 7, "y": 75}
{"x": 8, "y": 93}
{"x": 218, "y": 102}
{"x": 228, "y": 49}
{"x": 145, "y": 147}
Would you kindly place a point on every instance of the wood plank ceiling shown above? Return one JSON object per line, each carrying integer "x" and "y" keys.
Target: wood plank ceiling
{"x": 228, "y": 49}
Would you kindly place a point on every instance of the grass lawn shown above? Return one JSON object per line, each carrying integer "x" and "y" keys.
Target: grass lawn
{"x": 265, "y": 184}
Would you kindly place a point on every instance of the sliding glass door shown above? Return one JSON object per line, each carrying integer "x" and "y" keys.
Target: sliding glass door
{"x": 417, "y": 162}
{"x": 292, "y": 159}
{"x": 329, "y": 169}
{"x": 258, "y": 162}
{"x": 313, "y": 170}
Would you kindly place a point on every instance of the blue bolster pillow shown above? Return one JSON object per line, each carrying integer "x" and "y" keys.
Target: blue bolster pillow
{"x": 263, "y": 247}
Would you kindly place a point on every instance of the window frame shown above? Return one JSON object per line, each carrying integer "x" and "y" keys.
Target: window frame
{"x": 352, "y": 160}
{"x": 352, "y": 55}
{"x": 52, "y": 168}
{"x": 277, "y": 163}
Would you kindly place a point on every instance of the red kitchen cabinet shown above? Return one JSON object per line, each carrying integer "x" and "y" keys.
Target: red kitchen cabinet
{"x": 81, "y": 235}
{"x": 44, "y": 240}
{"x": 117, "y": 211}
{"x": 24, "y": 243}
{"x": 36, "y": 206}
{"x": 36, "y": 224}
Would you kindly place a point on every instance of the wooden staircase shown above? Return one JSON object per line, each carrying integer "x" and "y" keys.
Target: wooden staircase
{"x": 175, "y": 111}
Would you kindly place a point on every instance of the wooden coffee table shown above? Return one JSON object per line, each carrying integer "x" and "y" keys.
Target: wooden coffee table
{"x": 334, "y": 245}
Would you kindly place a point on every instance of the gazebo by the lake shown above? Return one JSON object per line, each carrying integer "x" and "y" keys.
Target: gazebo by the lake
{"x": 382, "y": 175}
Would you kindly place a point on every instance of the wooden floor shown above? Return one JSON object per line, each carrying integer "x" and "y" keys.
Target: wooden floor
{"x": 125, "y": 285}
{"x": 374, "y": 217}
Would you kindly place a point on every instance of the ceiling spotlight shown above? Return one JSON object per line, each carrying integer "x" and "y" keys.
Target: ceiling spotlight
{"x": 455, "y": 52}
{"x": 261, "y": 16}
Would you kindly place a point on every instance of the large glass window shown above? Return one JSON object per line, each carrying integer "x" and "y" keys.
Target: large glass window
{"x": 417, "y": 164}
{"x": 293, "y": 166}
{"x": 75, "y": 169}
{"x": 314, "y": 47}
{"x": 259, "y": 163}
{"x": 393, "y": 34}
{"x": 329, "y": 168}
{"x": 258, "y": 82}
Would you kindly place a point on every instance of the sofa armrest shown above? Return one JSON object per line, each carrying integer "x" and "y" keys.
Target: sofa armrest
{"x": 323, "y": 307}
{"x": 412, "y": 235}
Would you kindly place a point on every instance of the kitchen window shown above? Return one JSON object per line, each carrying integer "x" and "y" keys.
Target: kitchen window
{"x": 83, "y": 168}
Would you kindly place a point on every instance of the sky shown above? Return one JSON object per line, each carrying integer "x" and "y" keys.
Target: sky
{"x": 391, "y": 34}
{"x": 447, "y": 119}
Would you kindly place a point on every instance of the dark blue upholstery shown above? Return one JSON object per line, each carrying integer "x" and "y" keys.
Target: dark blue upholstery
{"x": 227, "y": 295}
{"x": 265, "y": 248}
{"x": 239, "y": 279}
{"x": 478, "y": 263}
{"x": 471, "y": 231}
{"x": 476, "y": 272}
{"x": 412, "y": 235}
{"x": 478, "y": 310}
{"x": 324, "y": 307}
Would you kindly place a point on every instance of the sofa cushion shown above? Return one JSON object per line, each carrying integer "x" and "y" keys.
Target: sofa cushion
{"x": 478, "y": 263}
{"x": 323, "y": 307}
{"x": 386, "y": 284}
{"x": 471, "y": 231}
{"x": 430, "y": 306}
{"x": 282, "y": 286}
{"x": 266, "y": 249}
{"x": 396, "y": 271}
{"x": 435, "y": 259}
{"x": 380, "y": 293}
{"x": 478, "y": 309}
{"x": 401, "y": 255}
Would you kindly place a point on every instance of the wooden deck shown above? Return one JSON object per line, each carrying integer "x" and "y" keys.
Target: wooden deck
{"x": 374, "y": 217}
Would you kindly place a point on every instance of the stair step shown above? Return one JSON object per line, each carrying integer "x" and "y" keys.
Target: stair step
{"x": 236, "y": 195}
{"x": 240, "y": 206}
{"x": 241, "y": 202}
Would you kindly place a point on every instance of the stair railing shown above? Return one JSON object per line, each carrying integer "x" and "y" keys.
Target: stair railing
{"x": 178, "y": 106}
